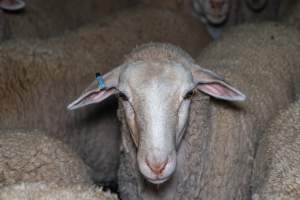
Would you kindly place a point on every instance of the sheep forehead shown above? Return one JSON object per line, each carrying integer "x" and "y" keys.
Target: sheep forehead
{"x": 144, "y": 77}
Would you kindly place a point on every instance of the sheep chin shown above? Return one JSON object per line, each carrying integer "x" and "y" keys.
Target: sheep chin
{"x": 158, "y": 181}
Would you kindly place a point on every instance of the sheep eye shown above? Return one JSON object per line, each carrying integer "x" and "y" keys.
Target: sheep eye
{"x": 189, "y": 94}
{"x": 123, "y": 96}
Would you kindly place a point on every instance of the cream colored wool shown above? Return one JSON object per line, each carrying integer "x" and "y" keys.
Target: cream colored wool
{"x": 277, "y": 165}
{"x": 42, "y": 191}
{"x": 32, "y": 156}
{"x": 39, "y": 78}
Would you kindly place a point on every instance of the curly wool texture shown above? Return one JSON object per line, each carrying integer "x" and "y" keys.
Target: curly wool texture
{"x": 158, "y": 52}
{"x": 43, "y": 191}
{"x": 32, "y": 156}
{"x": 277, "y": 171}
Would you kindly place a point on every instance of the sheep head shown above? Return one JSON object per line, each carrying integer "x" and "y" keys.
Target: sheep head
{"x": 156, "y": 97}
{"x": 214, "y": 11}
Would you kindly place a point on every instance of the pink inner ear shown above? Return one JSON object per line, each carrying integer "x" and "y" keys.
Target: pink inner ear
{"x": 96, "y": 97}
{"x": 218, "y": 90}
{"x": 93, "y": 97}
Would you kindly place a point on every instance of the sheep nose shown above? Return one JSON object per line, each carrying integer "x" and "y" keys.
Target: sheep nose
{"x": 157, "y": 167}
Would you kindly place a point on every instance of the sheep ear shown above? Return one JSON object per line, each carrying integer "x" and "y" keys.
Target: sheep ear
{"x": 94, "y": 94}
{"x": 215, "y": 86}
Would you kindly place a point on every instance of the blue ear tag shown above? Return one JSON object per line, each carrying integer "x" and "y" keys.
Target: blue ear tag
{"x": 101, "y": 83}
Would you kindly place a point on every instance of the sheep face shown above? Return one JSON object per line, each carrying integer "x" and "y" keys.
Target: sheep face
{"x": 214, "y": 11}
{"x": 156, "y": 98}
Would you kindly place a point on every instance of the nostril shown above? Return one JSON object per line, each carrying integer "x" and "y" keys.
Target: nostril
{"x": 157, "y": 168}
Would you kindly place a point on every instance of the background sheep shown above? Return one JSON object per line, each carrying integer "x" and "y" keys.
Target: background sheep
{"x": 215, "y": 157}
{"x": 32, "y": 156}
{"x": 276, "y": 172}
{"x": 45, "y": 19}
{"x": 42, "y": 191}
{"x": 218, "y": 14}
{"x": 41, "y": 78}
{"x": 253, "y": 11}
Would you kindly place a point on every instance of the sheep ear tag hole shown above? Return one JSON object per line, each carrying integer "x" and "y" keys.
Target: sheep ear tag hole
{"x": 101, "y": 83}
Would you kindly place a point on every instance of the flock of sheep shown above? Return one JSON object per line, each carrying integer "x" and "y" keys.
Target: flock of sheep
{"x": 221, "y": 150}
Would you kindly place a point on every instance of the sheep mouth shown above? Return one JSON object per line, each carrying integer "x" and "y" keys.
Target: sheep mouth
{"x": 157, "y": 180}
{"x": 216, "y": 18}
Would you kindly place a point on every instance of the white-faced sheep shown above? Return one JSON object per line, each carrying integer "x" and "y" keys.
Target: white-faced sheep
{"x": 40, "y": 78}
{"x": 215, "y": 155}
{"x": 142, "y": 82}
{"x": 32, "y": 156}
{"x": 213, "y": 13}
{"x": 219, "y": 13}
{"x": 277, "y": 172}
{"x": 43, "y": 191}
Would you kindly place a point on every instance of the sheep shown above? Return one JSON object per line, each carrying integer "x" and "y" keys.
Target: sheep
{"x": 253, "y": 11}
{"x": 32, "y": 156}
{"x": 215, "y": 155}
{"x": 60, "y": 66}
{"x": 276, "y": 172}
{"x": 218, "y": 14}
{"x": 52, "y": 18}
{"x": 155, "y": 69}
{"x": 43, "y": 191}
{"x": 213, "y": 13}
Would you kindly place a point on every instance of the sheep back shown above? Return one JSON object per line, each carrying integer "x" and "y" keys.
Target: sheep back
{"x": 33, "y": 156}
{"x": 43, "y": 191}
{"x": 276, "y": 173}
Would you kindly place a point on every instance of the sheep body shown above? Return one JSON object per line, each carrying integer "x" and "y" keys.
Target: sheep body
{"x": 215, "y": 157}
{"x": 33, "y": 156}
{"x": 43, "y": 191}
{"x": 61, "y": 66}
{"x": 233, "y": 12}
{"x": 276, "y": 172}
{"x": 43, "y": 20}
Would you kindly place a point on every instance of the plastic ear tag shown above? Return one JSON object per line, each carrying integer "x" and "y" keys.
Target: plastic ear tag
{"x": 101, "y": 83}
